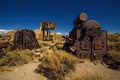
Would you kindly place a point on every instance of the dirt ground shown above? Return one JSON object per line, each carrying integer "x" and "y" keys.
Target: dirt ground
{"x": 88, "y": 69}
{"x": 27, "y": 72}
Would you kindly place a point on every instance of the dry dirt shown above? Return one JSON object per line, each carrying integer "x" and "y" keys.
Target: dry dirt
{"x": 27, "y": 72}
{"x": 90, "y": 69}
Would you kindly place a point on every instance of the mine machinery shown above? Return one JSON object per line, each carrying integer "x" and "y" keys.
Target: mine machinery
{"x": 86, "y": 39}
{"x": 25, "y": 39}
{"x": 22, "y": 39}
{"x": 45, "y": 31}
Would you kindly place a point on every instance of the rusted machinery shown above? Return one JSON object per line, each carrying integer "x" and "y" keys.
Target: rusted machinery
{"x": 86, "y": 39}
{"x": 45, "y": 31}
{"x": 25, "y": 39}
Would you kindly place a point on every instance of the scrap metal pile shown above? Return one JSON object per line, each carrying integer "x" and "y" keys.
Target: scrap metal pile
{"x": 86, "y": 39}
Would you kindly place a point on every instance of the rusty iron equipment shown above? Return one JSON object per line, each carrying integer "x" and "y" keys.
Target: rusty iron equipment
{"x": 86, "y": 39}
{"x": 45, "y": 31}
{"x": 25, "y": 39}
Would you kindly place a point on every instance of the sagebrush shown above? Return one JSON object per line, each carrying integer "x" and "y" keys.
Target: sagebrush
{"x": 56, "y": 65}
{"x": 17, "y": 57}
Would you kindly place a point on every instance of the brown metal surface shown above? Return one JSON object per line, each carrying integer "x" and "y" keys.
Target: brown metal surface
{"x": 25, "y": 39}
{"x": 88, "y": 38}
{"x": 91, "y": 24}
{"x": 83, "y": 16}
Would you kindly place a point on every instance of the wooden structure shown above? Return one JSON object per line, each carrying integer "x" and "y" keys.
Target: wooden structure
{"x": 45, "y": 31}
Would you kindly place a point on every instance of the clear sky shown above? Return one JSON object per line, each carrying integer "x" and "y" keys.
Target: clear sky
{"x": 27, "y": 14}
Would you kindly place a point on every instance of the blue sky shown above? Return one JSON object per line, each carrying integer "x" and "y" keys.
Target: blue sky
{"x": 27, "y": 14}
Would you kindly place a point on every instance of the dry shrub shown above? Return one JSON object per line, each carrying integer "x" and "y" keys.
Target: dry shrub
{"x": 114, "y": 55}
{"x": 44, "y": 50}
{"x": 113, "y": 59}
{"x": 56, "y": 65}
{"x": 45, "y": 44}
{"x": 17, "y": 57}
{"x": 78, "y": 75}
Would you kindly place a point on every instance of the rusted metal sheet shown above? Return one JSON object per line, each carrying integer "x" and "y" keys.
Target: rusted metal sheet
{"x": 25, "y": 39}
{"x": 88, "y": 38}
